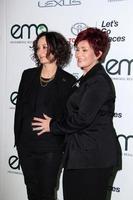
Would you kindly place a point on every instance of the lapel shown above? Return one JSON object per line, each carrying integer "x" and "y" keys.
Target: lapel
{"x": 91, "y": 73}
{"x": 32, "y": 87}
{"x": 98, "y": 67}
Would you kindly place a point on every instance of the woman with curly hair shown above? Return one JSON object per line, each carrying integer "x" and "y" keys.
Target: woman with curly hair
{"x": 43, "y": 89}
{"x": 92, "y": 148}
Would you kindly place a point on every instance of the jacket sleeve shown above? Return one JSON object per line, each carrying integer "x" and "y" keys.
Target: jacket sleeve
{"x": 18, "y": 110}
{"x": 95, "y": 95}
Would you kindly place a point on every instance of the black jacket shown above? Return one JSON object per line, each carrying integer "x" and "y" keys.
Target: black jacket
{"x": 91, "y": 138}
{"x": 57, "y": 93}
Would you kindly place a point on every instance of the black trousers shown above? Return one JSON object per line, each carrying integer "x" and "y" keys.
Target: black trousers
{"x": 86, "y": 184}
{"x": 41, "y": 173}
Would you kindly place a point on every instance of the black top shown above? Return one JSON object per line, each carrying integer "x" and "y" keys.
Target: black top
{"x": 91, "y": 138}
{"x": 33, "y": 101}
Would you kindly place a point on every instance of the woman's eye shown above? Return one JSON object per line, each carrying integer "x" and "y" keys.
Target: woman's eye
{"x": 45, "y": 47}
{"x": 84, "y": 50}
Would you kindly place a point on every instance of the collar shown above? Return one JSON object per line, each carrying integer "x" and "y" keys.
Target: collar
{"x": 90, "y": 73}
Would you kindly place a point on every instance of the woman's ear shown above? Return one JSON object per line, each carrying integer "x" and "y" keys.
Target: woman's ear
{"x": 100, "y": 54}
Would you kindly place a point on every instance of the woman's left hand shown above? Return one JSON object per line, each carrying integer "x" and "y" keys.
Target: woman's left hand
{"x": 41, "y": 125}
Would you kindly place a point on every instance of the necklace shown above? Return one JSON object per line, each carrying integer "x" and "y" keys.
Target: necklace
{"x": 44, "y": 81}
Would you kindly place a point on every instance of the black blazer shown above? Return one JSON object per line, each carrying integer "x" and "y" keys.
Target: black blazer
{"x": 27, "y": 94}
{"x": 91, "y": 138}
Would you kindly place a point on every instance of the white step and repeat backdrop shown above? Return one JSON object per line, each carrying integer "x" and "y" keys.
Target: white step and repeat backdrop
{"x": 20, "y": 22}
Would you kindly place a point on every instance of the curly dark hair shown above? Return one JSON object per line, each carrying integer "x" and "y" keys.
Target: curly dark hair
{"x": 97, "y": 39}
{"x": 57, "y": 45}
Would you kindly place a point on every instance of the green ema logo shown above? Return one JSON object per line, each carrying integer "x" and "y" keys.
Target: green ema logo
{"x": 27, "y": 31}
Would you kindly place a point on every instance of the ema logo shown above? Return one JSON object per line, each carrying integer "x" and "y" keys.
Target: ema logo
{"x": 121, "y": 67}
{"x": 13, "y": 97}
{"x": 14, "y": 162}
{"x": 52, "y": 3}
{"x": 125, "y": 140}
{"x": 26, "y": 31}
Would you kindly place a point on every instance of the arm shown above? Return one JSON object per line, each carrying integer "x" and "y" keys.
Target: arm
{"x": 18, "y": 110}
{"x": 92, "y": 100}
{"x": 95, "y": 95}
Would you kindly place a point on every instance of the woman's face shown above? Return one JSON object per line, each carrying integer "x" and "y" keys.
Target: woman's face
{"x": 85, "y": 55}
{"x": 42, "y": 51}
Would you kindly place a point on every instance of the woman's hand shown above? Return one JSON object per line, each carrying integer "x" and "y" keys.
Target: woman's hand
{"x": 41, "y": 125}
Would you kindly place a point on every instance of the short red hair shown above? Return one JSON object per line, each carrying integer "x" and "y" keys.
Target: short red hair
{"x": 97, "y": 39}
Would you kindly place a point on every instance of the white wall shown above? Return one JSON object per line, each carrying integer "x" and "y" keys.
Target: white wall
{"x": 2, "y": 91}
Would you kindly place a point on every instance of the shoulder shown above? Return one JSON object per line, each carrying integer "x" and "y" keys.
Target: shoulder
{"x": 105, "y": 78}
{"x": 30, "y": 71}
{"x": 101, "y": 74}
{"x": 28, "y": 74}
{"x": 66, "y": 75}
{"x": 100, "y": 78}
{"x": 105, "y": 83}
